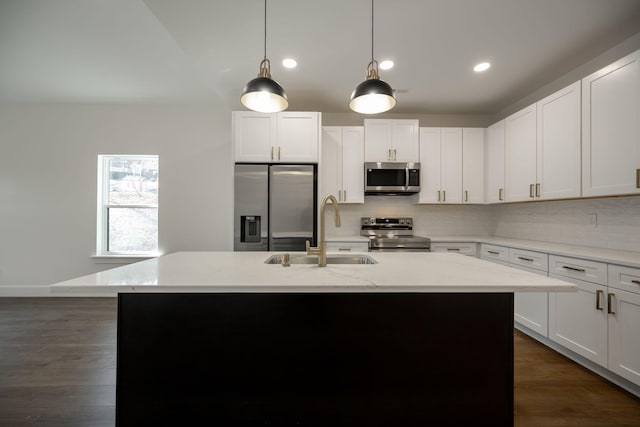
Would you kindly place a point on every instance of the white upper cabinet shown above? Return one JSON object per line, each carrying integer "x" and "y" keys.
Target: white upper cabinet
{"x": 254, "y": 136}
{"x": 558, "y": 152}
{"x": 495, "y": 163}
{"x": 451, "y": 165}
{"x": 391, "y": 140}
{"x": 443, "y": 166}
{"x": 297, "y": 136}
{"x": 290, "y": 137}
{"x": 430, "y": 166}
{"x": 353, "y": 164}
{"x": 611, "y": 129}
{"x": 342, "y": 163}
{"x": 473, "y": 165}
{"x": 542, "y": 149}
{"x": 520, "y": 155}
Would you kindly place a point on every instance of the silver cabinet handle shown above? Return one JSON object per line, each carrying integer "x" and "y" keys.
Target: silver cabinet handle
{"x": 579, "y": 270}
{"x": 278, "y": 152}
{"x": 501, "y": 194}
{"x": 466, "y": 196}
{"x": 537, "y": 190}
{"x": 339, "y": 195}
{"x": 525, "y": 259}
{"x": 272, "y": 152}
{"x": 531, "y": 190}
{"x": 438, "y": 195}
{"x": 453, "y": 249}
{"x": 344, "y": 249}
{"x": 389, "y": 154}
{"x": 394, "y": 154}
{"x": 344, "y": 194}
{"x": 637, "y": 282}
{"x": 598, "y": 300}
{"x": 444, "y": 195}
{"x": 494, "y": 252}
{"x": 610, "y": 309}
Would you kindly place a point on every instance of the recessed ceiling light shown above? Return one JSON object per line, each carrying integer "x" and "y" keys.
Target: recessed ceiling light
{"x": 483, "y": 66}
{"x": 289, "y": 63}
{"x": 386, "y": 64}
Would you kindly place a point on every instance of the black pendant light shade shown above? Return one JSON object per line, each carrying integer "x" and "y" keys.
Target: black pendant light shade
{"x": 372, "y": 96}
{"x": 264, "y": 94}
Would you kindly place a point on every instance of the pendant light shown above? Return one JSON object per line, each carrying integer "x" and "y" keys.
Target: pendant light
{"x": 264, "y": 94}
{"x": 372, "y": 96}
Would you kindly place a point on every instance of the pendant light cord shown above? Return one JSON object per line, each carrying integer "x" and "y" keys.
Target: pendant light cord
{"x": 371, "y": 30}
{"x": 265, "y": 29}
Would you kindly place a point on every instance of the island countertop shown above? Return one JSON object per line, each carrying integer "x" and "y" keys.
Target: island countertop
{"x": 247, "y": 272}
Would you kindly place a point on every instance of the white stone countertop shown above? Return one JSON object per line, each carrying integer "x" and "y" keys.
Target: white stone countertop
{"x": 247, "y": 272}
{"x": 611, "y": 256}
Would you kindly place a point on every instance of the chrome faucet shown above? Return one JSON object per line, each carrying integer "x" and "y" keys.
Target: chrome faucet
{"x": 321, "y": 249}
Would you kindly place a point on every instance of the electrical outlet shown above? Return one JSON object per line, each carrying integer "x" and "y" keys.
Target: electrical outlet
{"x": 593, "y": 219}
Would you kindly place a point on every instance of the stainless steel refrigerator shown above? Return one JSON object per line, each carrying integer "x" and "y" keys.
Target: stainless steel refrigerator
{"x": 275, "y": 207}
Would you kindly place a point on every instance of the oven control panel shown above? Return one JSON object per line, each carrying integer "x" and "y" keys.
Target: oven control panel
{"x": 399, "y": 223}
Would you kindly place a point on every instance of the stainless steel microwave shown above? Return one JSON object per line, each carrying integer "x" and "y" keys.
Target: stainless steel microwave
{"x": 391, "y": 178}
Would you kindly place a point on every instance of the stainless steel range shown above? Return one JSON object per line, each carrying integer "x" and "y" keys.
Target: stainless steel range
{"x": 393, "y": 234}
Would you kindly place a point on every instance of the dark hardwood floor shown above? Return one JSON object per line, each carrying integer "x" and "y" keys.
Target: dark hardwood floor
{"x": 58, "y": 359}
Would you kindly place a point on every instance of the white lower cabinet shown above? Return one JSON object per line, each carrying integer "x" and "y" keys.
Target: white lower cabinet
{"x": 469, "y": 249}
{"x": 530, "y": 309}
{"x": 578, "y": 320}
{"x": 624, "y": 320}
{"x": 347, "y": 246}
{"x": 598, "y": 322}
{"x": 499, "y": 254}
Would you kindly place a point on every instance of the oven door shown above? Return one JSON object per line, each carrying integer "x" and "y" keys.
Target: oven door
{"x": 386, "y": 178}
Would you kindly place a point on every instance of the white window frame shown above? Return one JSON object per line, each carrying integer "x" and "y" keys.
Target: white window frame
{"x": 102, "y": 226}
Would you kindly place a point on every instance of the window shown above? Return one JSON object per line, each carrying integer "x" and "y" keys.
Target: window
{"x": 127, "y": 205}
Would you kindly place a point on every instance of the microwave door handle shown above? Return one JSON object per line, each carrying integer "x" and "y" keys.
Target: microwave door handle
{"x": 406, "y": 177}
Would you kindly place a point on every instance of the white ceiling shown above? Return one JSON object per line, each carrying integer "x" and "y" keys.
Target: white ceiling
{"x": 206, "y": 50}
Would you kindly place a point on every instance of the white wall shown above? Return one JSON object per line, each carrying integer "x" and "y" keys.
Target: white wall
{"x": 48, "y": 181}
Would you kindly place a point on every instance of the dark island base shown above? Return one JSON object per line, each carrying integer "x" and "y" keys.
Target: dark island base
{"x": 315, "y": 359}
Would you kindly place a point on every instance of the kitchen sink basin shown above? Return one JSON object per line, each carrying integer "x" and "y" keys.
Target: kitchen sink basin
{"x": 331, "y": 259}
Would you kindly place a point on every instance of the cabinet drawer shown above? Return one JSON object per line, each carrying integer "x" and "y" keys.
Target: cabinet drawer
{"x": 494, "y": 253}
{"x": 469, "y": 249}
{"x": 625, "y": 278}
{"x": 531, "y": 259}
{"x": 347, "y": 246}
{"x": 581, "y": 269}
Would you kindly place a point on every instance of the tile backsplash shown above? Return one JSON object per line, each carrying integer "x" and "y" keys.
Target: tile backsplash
{"x": 612, "y": 223}
{"x": 429, "y": 220}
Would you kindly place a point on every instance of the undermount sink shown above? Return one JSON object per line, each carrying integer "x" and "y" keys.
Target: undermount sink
{"x": 331, "y": 259}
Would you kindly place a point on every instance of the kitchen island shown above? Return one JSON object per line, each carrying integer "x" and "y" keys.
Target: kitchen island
{"x": 221, "y": 338}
